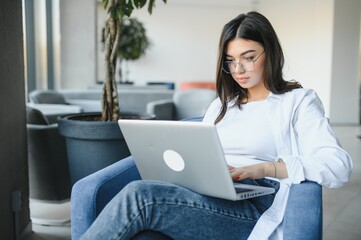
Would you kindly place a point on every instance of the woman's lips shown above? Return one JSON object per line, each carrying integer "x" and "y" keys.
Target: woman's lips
{"x": 242, "y": 80}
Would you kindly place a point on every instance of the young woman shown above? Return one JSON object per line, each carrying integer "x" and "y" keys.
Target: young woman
{"x": 274, "y": 133}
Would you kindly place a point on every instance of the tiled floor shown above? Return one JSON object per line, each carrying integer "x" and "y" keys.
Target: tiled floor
{"x": 342, "y": 207}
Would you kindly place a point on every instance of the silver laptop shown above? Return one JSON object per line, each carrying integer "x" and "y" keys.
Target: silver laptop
{"x": 185, "y": 153}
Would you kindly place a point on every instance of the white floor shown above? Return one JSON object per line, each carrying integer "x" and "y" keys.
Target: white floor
{"x": 342, "y": 207}
{"x": 50, "y": 220}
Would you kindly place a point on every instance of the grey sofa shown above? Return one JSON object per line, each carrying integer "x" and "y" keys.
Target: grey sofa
{"x": 165, "y": 104}
{"x": 46, "y": 97}
{"x": 130, "y": 100}
{"x": 183, "y": 104}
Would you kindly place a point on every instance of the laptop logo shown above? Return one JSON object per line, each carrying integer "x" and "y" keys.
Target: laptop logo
{"x": 173, "y": 160}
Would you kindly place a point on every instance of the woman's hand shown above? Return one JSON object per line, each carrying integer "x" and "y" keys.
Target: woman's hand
{"x": 260, "y": 170}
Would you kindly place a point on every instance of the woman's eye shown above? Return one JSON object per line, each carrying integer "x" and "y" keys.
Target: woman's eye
{"x": 248, "y": 59}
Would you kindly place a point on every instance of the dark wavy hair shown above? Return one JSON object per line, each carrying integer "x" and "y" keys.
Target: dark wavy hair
{"x": 251, "y": 26}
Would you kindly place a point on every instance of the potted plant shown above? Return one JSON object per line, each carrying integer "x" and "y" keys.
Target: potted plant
{"x": 133, "y": 44}
{"x": 94, "y": 140}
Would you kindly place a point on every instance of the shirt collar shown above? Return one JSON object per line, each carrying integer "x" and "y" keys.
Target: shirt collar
{"x": 273, "y": 97}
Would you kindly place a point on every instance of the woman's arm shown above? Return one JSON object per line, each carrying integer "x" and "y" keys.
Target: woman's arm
{"x": 275, "y": 169}
{"x": 316, "y": 153}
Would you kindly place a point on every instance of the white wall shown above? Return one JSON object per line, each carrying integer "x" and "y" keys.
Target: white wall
{"x": 345, "y": 89}
{"x": 305, "y": 32}
{"x": 40, "y": 44}
{"x": 185, "y": 46}
{"x": 185, "y": 40}
{"x": 185, "y": 36}
{"x": 78, "y": 44}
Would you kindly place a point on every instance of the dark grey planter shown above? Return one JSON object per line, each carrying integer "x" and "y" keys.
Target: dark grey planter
{"x": 92, "y": 145}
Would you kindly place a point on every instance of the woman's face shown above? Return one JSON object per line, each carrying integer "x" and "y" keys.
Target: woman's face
{"x": 247, "y": 63}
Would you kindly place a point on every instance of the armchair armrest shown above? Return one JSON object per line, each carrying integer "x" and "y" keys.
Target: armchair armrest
{"x": 49, "y": 178}
{"x": 162, "y": 109}
{"x": 92, "y": 193}
{"x": 303, "y": 216}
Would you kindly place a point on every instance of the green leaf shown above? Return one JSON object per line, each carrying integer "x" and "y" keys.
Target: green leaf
{"x": 105, "y": 3}
{"x": 139, "y": 3}
{"x": 125, "y": 8}
{"x": 150, "y": 6}
{"x": 133, "y": 41}
{"x": 112, "y": 11}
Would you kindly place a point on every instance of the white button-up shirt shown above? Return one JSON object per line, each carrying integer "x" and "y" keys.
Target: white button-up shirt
{"x": 306, "y": 143}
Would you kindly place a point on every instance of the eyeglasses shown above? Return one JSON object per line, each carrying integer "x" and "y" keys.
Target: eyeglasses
{"x": 246, "y": 63}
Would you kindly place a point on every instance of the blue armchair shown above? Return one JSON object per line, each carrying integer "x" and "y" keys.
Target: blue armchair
{"x": 92, "y": 193}
{"x": 302, "y": 220}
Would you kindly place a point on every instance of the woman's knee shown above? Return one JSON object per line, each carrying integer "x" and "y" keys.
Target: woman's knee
{"x": 142, "y": 188}
{"x": 140, "y": 185}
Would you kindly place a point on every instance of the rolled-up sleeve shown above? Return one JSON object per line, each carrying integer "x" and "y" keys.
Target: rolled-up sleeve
{"x": 319, "y": 155}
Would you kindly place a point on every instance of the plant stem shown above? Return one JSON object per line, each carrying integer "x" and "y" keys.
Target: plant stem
{"x": 110, "y": 104}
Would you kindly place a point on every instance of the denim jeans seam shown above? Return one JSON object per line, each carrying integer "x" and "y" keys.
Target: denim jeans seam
{"x": 120, "y": 235}
{"x": 203, "y": 208}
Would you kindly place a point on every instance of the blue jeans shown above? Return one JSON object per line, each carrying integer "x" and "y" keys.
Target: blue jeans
{"x": 149, "y": 209}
